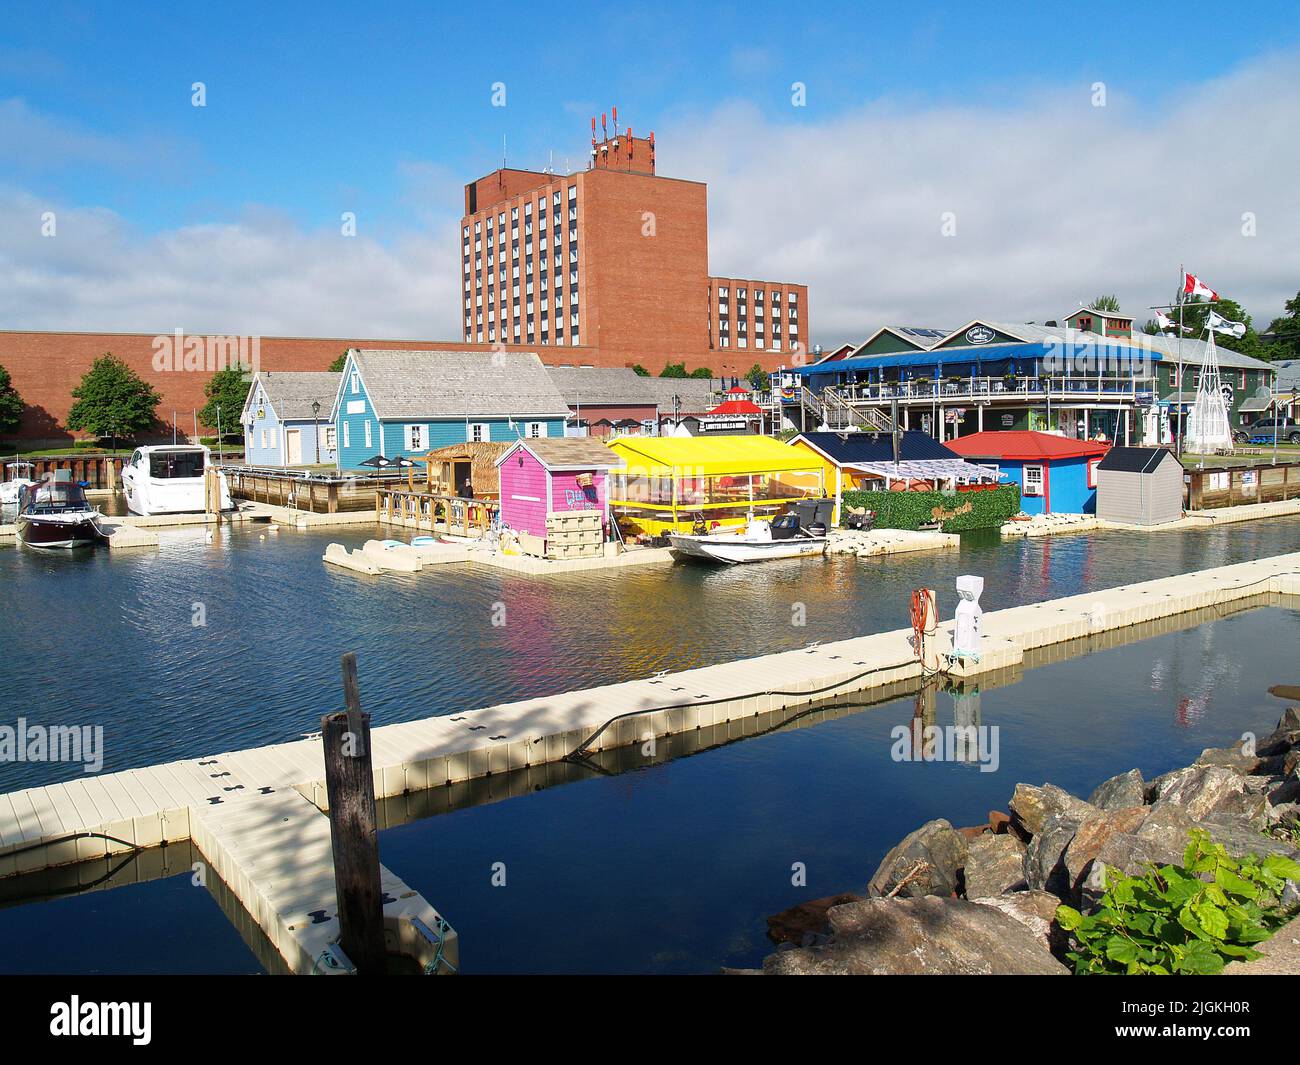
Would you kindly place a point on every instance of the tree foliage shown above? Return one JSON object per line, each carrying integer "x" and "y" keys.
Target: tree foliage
{"x": 1108, "y": 304}
{"x": 112, "y": 400}
{"x": 1286, "y": 345}
{"x": 336, "y": 366}
{"x": 11, "y": 403}
{"x": 640, "y": 370}
{"x": 226, "y": 391}
{"x": 673, "y": 369}
{"x": 756, "y": 376}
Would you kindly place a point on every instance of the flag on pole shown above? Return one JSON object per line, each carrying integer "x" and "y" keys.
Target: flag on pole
{"x": 1194, "y": 286}
{"x": 1225, "y": 325}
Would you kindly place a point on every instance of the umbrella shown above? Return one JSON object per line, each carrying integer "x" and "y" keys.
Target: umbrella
{"x": 401, "y": 462}
{"x": 377, "y": 461}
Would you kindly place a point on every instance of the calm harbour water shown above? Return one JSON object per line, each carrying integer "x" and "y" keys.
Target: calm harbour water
{"x": 669, "y": 869}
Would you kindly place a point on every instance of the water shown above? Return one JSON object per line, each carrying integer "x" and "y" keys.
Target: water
{"x": 667, "y": 869}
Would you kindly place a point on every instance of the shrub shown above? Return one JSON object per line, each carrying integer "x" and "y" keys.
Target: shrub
{"x": 911, "y": 510}
{"x": 1187, "y": 919}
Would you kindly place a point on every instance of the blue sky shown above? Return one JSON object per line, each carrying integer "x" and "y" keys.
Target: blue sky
{"x": 317, "y": 106}
{"x": 385, "y": 110}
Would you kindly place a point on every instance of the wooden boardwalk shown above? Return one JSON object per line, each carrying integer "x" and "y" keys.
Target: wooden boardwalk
{"x": 255, "y": 814}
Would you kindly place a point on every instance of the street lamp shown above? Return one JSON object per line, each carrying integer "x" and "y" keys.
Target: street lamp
{"x": 315, "y": 414}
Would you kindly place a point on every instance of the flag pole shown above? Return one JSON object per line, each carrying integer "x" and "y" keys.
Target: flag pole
{"x": 1178, "y": 414}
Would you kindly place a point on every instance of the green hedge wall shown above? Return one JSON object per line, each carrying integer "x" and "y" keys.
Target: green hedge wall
{"x": 911, "y": 510}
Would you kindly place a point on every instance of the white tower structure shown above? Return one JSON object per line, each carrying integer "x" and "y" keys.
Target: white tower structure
{"x": 1207, "y": 424}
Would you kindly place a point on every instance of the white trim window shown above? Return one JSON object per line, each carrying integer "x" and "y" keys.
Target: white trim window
{"x": 347, "y": 436}
{"x": 417, "y": 438}
{"x": 356, "y": 383}
{"x": 1033, "y": 481}
{"x": 536, "y": 430}
{"x": 369, "y": 439}
{"x": 1092, "y": 472}
{"x": 478, "y": 431}
{"x": 331, "y": 438}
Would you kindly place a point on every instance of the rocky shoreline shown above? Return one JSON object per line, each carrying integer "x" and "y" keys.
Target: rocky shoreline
{"x": 983, "y": 900}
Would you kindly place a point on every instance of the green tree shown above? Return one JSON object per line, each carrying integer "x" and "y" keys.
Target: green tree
{"x": 702, "y": 373}
{"x": 1286, "y": 345}
{"x": 11, "y": 403}
{"x": 757, "y": 376}
{"x": 337, "y": 365}
{"x": 112, "y": 399}
{"x": 226, "y": 391}
{"x": 1196, "y": 313}
{"x": 673, "y": 369}
{"x": 640, "y": 370}
{"x": 1109, "y": 304}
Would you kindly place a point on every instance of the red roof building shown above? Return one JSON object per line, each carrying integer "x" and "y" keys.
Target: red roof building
{"x": 1055, "y": 475}
{"x": 1024, "y": 445}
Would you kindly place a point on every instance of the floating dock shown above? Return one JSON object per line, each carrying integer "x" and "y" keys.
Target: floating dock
{"x": 255, "y": 815}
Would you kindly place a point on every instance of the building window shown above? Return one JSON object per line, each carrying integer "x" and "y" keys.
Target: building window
{"x": 415, "y": 438}
{"x": 331, "y": 438}
{"x": 1092, "y": 472}
{"x": 347, "y": 436}
{"x": 263, "y": 438}
{"x": 1033, "y": 485}
{"x": 536, "y": 429}
{"x": 356, "y": 382}
{"x": 478, "y": 431}
{"x": 369, "y": 440}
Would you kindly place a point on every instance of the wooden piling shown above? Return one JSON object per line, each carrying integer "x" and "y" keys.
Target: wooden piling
{"x": 350, "y": 790}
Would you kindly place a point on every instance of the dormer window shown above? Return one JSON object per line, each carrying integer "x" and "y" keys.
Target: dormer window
{"x": 356, "y": 382}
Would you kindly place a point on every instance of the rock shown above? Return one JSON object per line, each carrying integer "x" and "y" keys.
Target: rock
{"x": 1229, "y": 758}
{"x": 973, "y": 832}
{"x": 994, "y": 864}
{"x": 1287, "y": 813}
{"x": 1045, "y": 857}
{"x": 1036, "y": 910}
{"x": 941, "y": 851}
{"x": 807, "y": 918}
{"x": 920, "y": 936}
{"x": 1291, "y": 762}
{"x": 1287, "y": 790}
{"x": 1201, "y": 790}
{"x": 1092, "y": 835}
{"x": 998, "y": 821}
{"x": 1031, "y": 807}
{"x": 1284, "y": 737}
{"x": 1120, "y": 792}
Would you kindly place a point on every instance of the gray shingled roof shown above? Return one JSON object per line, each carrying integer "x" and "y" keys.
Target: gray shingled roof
{"x": 603, "y": 386}
{"x": 454, "y": 384}
{"x": 291, "y": 392}
{"x": 572, "y": 451}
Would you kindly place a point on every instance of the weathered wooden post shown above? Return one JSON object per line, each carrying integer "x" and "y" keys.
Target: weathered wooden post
{"x": 350, "y": 788}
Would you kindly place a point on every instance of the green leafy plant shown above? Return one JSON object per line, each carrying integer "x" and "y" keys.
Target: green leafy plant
{"x": 1190, "y": 919}
{"x": 112, "y": 400}
{"x": 910, "y": 510}
{"x": 11, "y": 403}
{"x": 226, "y": 393}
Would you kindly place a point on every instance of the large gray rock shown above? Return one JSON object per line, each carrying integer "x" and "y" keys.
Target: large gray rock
{"x": 1202, "y": 790}
{"x": 1031, "y": 807}
{"x": 1230, "y": 758}
{"x": 1092, "y": 835}
{"x": 940, "y": 851}
{"x": 1036, "y": 910}
{"x": 1045, "y": 857}
{"x": 994, "y": 864}
{"x": 1284, "y": 737}
{"x": 886, "y": 937}
{"x": 1120, "y": 792}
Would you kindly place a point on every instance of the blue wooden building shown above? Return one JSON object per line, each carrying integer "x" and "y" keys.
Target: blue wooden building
{"x": 286, "y": 419}
{"x": 393, "y": 403}
{"x": 1056, "y": 475}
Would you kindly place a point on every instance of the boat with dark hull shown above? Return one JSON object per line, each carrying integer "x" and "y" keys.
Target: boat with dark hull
{"x": 54, "y": 515}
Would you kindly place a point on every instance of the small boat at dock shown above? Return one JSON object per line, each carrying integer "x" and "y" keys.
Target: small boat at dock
{"x": 54, "y": 515}
{"x": 18, "y": 475}
{"x": 754, "y": 542}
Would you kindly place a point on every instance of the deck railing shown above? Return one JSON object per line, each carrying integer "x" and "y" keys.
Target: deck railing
{"x": 434, "y": 512}
{"x": 972, "y": 389}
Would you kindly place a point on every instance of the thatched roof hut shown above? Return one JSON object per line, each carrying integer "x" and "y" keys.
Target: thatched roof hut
{"x": 446, "y": 467}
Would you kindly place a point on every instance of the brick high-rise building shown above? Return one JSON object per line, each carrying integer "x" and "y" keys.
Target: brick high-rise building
{"x": 614, "y": 258}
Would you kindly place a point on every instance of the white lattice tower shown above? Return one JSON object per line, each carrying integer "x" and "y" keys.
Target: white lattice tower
{"x": 1207, "y": 425}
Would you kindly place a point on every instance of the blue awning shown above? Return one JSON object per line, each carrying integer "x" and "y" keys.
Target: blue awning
{"x": 959, "y": 361}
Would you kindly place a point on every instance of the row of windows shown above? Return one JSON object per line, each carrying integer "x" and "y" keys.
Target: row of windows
{"x": 556, "y": 202}
{"x": 328, "y": 438}
{"x": 723, "y": 293}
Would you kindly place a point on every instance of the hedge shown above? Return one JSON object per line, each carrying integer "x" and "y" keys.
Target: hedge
{"x": 911, "y": 510}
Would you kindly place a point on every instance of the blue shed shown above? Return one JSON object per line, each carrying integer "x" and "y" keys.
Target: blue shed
{"x": 393, "y": 403}
{"x": 1056, "y": 475}
{"x": 286, "y": 419}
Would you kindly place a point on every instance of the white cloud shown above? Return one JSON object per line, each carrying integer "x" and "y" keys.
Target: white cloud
{"x": 1055, "y": 202}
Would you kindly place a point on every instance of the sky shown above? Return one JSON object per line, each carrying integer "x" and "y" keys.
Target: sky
{"x": 940, "y": 162}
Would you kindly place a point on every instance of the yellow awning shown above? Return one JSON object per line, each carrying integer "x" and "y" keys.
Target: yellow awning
{"x": 702, "y": 456}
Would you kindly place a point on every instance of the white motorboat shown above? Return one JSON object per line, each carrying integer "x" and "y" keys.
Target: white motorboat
{"x": 18, "y": 475}
{"x": 170, "y": 479}
{"x": 754, "y": 542}
{"x": 55, "y": 514}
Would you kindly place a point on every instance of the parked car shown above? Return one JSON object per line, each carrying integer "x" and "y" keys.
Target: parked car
{"x": 1265, "y": 430}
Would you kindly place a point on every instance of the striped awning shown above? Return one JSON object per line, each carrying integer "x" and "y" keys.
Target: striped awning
{"x": 927, "y": 470}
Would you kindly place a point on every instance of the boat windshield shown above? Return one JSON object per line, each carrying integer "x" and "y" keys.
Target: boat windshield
{"x": 53, "y": 498}
{"x": 169, "y": 465}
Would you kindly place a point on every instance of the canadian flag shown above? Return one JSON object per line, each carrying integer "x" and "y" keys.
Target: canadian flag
{"x": 1194, "y": 286}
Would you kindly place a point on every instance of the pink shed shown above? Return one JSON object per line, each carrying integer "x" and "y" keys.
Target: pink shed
{"x": 540, "y": 477}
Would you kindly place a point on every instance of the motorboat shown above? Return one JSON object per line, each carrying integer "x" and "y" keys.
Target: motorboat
{"x": 753, "y": 542}
{"x": 54, "y": 514}
{"x": 18, "y": 475}
{"x": 170, "y": 479}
